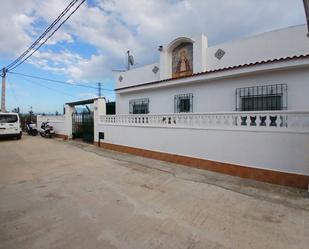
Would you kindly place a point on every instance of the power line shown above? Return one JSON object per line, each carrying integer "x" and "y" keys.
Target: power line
{"x": 22, "y": 61}
{"x": 48, "y": 36}
{"x": 60, "y": 82}
{"x": 44, "y": 34}
{"x": 50, "y": 88}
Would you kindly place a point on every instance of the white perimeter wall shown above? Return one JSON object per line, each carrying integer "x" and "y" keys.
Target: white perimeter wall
{"x": 279, "y": 151}
{"x": 58, "y": 122}
{"x": 219, "y": 95}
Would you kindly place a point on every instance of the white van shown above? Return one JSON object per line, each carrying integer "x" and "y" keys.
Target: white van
{"x": 10, "y": 125}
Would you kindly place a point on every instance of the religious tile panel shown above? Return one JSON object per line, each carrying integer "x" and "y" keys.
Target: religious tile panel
{"x": 182, "y": 60}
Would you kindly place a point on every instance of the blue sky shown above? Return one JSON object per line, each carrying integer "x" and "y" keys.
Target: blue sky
{"x": 95, "y": 40}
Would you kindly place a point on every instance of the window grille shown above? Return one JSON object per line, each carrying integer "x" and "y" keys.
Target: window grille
{"x": 262, "y": 98}
{"x": 139, "y": 106}
{"x": 183, "y": 103}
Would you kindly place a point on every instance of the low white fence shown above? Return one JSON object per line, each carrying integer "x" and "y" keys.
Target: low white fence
{"x": 270, "y": 120}
{"x": 58, "y": 122}
{"x": 276, "y": 140}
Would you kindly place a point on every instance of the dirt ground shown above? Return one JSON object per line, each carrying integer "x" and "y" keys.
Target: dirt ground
{"x": 65, "y": 194}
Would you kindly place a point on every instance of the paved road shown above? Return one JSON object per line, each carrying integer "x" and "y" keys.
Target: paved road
{"x": 56, "y": 194}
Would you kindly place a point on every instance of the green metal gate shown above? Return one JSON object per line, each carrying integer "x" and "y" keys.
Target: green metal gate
{"x": 82, "y": 126}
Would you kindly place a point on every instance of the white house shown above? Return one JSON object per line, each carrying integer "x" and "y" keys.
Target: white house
{"x": 240, "y": 108}
{"x": 264, "y": 72}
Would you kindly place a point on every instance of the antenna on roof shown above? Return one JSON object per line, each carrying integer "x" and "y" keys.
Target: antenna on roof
{"x": 130, "y": 60}
{"x": 118, "y": 70}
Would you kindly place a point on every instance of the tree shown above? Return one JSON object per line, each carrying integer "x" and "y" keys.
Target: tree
{"x": 16, "y": 110}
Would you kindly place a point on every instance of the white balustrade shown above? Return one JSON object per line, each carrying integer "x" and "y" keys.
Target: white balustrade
{"x": 283, "y": 120}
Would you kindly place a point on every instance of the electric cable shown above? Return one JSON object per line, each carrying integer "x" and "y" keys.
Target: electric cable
{"x": 71, "y": 4}
{"x": 27, "y": 57}
{"x": 60, "y": 82}
{"x": 42, "y": 85}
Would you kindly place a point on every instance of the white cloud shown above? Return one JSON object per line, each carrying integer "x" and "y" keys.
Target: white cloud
{"x": 91, "y": 69}
{"x": 71, "y": 64}
{"x": 18, "y": 25}
{"x": 57, "y": 62}
{"x": 141, "y": 26}
{"x": 60, "y": 36}
{"x": 14, "y": 34}
{"x": 113, "y": 26}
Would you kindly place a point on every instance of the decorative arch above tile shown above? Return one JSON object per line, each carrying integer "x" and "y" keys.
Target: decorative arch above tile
{"x": 181, "y": 57}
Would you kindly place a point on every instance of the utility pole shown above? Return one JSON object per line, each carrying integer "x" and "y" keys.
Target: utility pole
{"x": 3, "y": 109}
{"x": 99, "y": 89}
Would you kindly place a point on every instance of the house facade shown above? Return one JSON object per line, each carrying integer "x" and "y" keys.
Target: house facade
{"x": 264, "y": 72}
{"x": 239, "y": 108}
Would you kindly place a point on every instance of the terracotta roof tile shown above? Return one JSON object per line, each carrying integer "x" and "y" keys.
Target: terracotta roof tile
{"x": 219, "y": 70}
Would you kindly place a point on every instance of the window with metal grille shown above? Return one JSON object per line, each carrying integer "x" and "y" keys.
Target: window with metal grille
{"x": 183, "y": 103}
{"x": 139, "y": 106}
{"x": 262, "y": 98}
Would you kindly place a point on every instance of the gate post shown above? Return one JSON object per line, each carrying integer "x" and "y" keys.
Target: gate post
{"x": 99, "y": 109}
{"x": 68, "y": 120}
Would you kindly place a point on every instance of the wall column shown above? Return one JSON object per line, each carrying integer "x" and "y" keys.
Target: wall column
{"x": 99, "y": 109}
{"x": 69, "y": 110}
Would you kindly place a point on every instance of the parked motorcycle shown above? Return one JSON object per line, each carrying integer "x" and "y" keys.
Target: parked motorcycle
{"x": 47, "y": 130}
{"x": 31, "y": 128}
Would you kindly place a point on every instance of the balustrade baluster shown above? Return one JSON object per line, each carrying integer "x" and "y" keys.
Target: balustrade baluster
{"x": 273, "y": 120}
{"x": 252, "y": 120}
{"x": 283, "y": 121}
{"x": 243, "y": 120}
{"x": 209, "y": 120}
{"x": 199, "y": 120}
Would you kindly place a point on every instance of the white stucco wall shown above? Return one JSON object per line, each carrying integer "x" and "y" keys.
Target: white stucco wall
{"x": 279, "y": 151}
{"x": 276, "y": 44}
{"x": 219, "y": 95}
{"x": 58, "y": 122}
{"x": 99, "y": 109}
{"x": 291, "y": 41}
{"x": 137, "y": 76}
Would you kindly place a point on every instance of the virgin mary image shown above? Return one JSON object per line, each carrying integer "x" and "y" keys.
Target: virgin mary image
{"x": 183, "y": 67}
